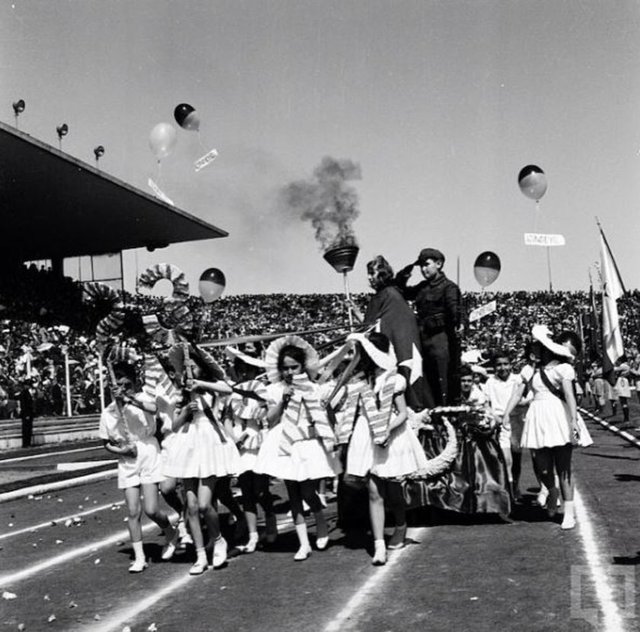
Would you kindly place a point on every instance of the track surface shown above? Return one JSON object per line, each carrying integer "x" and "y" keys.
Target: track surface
{"x": 456, "y": 574}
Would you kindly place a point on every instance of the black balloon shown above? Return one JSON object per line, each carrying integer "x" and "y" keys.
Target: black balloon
{"x": 532, "y": 182}
{"x": 187, "y": 117}
{"x": 486, "y": 268}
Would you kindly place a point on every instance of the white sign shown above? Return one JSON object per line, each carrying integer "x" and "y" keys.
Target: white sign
{"x": 537, "y": 239}
{"x": 159, "y": 194}
{"x": 481, "y": 311}
{"x": 207, "y": 159}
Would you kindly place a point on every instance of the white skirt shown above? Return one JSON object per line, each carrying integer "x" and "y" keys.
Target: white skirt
{"x": 547, "y": 424}
{"x": 402, "y": 455}
{"x": 309, "y": 460}
{"x": 198, "y": 451}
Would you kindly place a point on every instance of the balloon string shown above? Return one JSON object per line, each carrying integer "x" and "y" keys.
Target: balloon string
{"x": 200, "y": 140}
{"x": 537, "y": 216}
{"x": 159, "y": 172}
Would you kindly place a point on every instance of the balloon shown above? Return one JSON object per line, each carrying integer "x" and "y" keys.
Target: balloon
{"x": 162, "y": 140}
{"x": 532, "y": 182}
{"x": 211, "y": 285}
{"x": 187, "y": 117}
{"x": 486, "y": 268}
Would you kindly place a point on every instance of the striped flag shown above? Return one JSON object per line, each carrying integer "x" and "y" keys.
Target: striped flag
{"x": 612, "y": 290}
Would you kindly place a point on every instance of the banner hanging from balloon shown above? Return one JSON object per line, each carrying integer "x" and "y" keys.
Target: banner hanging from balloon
{"x": 188, "y": 119}
{"x": 159, "y": 194}
{"x": 486, "y": 268}
{"x": 540, "y": 239}
{"x": 211, "y": 285}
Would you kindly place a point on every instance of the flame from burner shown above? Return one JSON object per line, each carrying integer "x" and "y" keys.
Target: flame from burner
{"x": 327, "y": 201}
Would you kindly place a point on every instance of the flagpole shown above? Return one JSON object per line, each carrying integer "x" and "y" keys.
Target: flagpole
{"x": 549, "y": 268}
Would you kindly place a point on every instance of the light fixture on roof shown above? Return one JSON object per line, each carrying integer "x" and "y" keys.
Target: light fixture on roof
{"x": 18, "y": 108}
{"x": 62, "y": 130}
{"x": 98, "y": 152}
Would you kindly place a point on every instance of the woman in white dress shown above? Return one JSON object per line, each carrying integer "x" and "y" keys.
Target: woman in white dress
{"x": 382, "y": 446}
{"x": 201, "y": 452}
{"x": 299, "y": 447}
{"x": 552, "y": 421}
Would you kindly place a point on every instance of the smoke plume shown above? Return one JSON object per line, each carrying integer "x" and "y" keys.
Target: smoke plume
{"x": 327, "y": 201}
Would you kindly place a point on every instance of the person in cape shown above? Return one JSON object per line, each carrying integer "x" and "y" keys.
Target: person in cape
{"x": 389, "y": 310}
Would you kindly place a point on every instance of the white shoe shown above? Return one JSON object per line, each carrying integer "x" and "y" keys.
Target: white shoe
{"x": 199, "y": 567}
{"x": 171, "y": 543}
{"x": 302, "y": 554}
{"x": 322, "y": 543}
{"x": 219, "y": 552}
{"x": 569, "y": 522}
{"x": 541, "y": 498}
{"x": 379, "y": 555}
{"x": 250, "y": 546}
{"x": 138, "y": 566}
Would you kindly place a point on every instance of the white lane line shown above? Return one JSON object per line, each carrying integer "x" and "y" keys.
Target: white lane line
{"x": 57, "y": 521}
{"x": 49, "y": 487}
{"x": 613, "y": 428}
{"x": 12, "y": 578}
{"x": 128, "y": 613}
{"x": 46, "y": 454}
{"x": 83, "y": 465}
{"x": 372, "y": 585}
{"x": 612, "y": 619}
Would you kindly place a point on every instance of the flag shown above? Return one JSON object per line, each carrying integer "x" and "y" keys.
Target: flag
{"x": 612, "y": 290}
{"x": 397, "y": 321}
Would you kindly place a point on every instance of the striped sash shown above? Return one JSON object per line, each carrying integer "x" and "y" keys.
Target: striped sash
{"x": 304, "y": 408}
{"x": 245, "y": 405}
{"x": 374, "y": 404}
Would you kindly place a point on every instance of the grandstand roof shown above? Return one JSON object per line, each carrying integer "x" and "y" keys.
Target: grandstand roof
{"x": 53, "y": 205}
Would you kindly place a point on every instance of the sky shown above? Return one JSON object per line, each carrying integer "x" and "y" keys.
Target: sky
{"x": 440, "y": 103}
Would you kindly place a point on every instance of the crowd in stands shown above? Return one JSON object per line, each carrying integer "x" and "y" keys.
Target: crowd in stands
{"x": 44, "y": 319}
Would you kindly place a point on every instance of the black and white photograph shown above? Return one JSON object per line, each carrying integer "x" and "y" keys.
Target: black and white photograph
{"x": 319, "y": 315}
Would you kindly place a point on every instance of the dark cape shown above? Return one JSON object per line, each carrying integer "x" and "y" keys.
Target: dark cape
{"x": 399, "y": 324}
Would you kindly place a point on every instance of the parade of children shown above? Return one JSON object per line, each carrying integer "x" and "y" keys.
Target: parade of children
{"x": 272, "y": 411}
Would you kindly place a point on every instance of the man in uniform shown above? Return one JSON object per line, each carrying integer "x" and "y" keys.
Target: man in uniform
{"x": 438, "y": 303}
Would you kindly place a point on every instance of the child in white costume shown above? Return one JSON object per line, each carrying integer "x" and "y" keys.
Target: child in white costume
{"x": 127, "y": 429}
{"x": 382, "y": 446}
{"x": 299, "y": 447}
{"x": 552, "y": 421}
{"x": 201, "y": 451}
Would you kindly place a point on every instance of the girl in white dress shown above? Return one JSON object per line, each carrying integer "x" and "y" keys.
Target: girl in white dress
{"x": 201, "y": 452}
{"x": 127, "y": 428}
{"x": 299, "y": 447}
{"x": 247, "y": 408}
{"x": 382, "y": 446}
{"x": 552, "y": 421}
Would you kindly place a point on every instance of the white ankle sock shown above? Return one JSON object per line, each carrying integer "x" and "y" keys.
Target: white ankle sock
{"x": 138, "y": 551}
{"x": 201, "y": 555}
{"x": 303, "y": 536}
